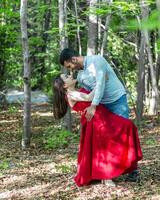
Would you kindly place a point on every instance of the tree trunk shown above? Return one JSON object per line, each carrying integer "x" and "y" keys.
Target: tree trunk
{"x": 64, "y": 44}
{"x": 62, "y": 24}
{"x": 107, "y": 21}
{"x": 147, "y": 88}
{"x": 141, "y": 78}
{"x": 99, "y": 29}
{"x": 158, "y": 56}
{"x": 92, "y": 29}
{"x": 78, "y": 28}
{"x": 154, "y": 100}
{"x": 27, "y": 92}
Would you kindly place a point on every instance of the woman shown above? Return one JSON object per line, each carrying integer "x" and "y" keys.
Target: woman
{"x": 109, "y": 144}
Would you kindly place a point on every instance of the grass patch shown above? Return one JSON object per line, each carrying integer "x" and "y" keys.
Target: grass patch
{"x": 58, "y": 138}
{"x": 4, "y": 165}
{"x": 12, "y": 109}
{"x": 64, "y": 168}
{"x": 54, "y": 137}
{"x": 151, "y": 141}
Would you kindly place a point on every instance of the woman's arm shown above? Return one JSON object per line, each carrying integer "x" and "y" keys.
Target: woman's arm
{"x": 80, "y": 96}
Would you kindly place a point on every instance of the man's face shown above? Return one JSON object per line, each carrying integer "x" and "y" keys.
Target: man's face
{"x": 72, "y": 64}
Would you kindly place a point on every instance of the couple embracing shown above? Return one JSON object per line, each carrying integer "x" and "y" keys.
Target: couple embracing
{"x": 109, "y": 143}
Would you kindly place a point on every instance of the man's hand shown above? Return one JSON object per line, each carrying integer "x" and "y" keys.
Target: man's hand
{"x": 90, "y": 111}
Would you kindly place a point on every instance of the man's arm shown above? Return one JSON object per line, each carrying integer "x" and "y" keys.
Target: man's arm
{"x": 100, "y": 69}
{"x": 100, "y": 76}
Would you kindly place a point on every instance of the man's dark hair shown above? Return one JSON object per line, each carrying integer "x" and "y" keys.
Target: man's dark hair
{"x": 67, "y": 54}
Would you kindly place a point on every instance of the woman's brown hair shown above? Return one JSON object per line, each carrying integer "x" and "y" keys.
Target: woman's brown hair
{"x": 60, "y": 104}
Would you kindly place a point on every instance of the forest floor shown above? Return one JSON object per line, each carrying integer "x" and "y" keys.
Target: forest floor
{"x": 47, "y": 169}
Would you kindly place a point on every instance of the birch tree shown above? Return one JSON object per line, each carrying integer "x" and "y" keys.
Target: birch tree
{"x": 64, "y": 44}
{"x": 154, "y": 93}
{"x": 141, "y": 78}
{"x": 92, "y": 28}
{"x": 27, "y": 91}
{"x": 78, "y": 28}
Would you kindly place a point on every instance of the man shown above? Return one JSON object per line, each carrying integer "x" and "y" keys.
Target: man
{"x": 94, "y": 72}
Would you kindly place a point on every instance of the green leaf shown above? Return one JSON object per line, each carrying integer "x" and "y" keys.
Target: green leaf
{"x": 151, "y": 23}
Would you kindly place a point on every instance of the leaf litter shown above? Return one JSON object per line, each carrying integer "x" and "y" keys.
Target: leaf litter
{"x": 39, "y": 173}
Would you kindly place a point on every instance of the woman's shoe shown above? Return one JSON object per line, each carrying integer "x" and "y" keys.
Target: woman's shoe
{"x": 109, "y": 183}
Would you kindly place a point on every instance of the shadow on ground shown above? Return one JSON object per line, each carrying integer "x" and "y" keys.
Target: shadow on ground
{"x": 39, "y": 173}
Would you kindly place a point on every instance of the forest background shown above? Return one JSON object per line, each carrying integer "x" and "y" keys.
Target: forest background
{"x": 126, "y": 33}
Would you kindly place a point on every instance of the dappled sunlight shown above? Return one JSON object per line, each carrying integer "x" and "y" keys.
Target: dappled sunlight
{"x": 151, "y": 146}
{"x": 40, "y": 173}
{"x": 9, "y": 121}
{"x": 100, "y": 191}
{"x": 45, "y": 173}
{"x": 42, "y": 114}
{"x": 155, "y": 197}
{"x": 36, "y": 167}
{"x": 149, "y": 162}
{"x": 14, "y": 179}
{"x": 28, "y": 192}
{"x": 6, "y": 111}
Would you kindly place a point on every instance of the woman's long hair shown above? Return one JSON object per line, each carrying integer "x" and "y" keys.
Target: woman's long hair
{"x": 60, "y": 104}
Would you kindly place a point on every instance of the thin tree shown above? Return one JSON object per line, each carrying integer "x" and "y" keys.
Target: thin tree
{"x": 64, "y": 44}
{"x": 27, "y": 91}
{"x": 141, "y": 75}
{"x": 92, "y": 28}
{"x": 154, "y": 93}
{"x": 158, "y": 56}
{"x": 106, "y": 26}
{"x": 78, "y": 28}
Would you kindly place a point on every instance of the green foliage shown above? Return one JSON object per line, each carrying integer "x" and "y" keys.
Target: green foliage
{"x": 4, "y": 165}
{"x": 125, "y": 7}
{"x": 64, "y": 168}
{"x": 57, "y": 138}
{"x": 44, "y": 42}
{"x": 122, "y": 13}
{"x": 12, "y": 109}
{"x": 151, "y": 23}
{"x": 151, "y": 141}
{"x": 10, "y": 48}
{"x": 35, "y": 42}
{"x": 103, "y": 10}
{"x": 122, "y": 55}
{"x": 53, "y": 71}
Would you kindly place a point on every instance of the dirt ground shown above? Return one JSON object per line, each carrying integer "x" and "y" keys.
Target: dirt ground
{"x": 40, "y": 173}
